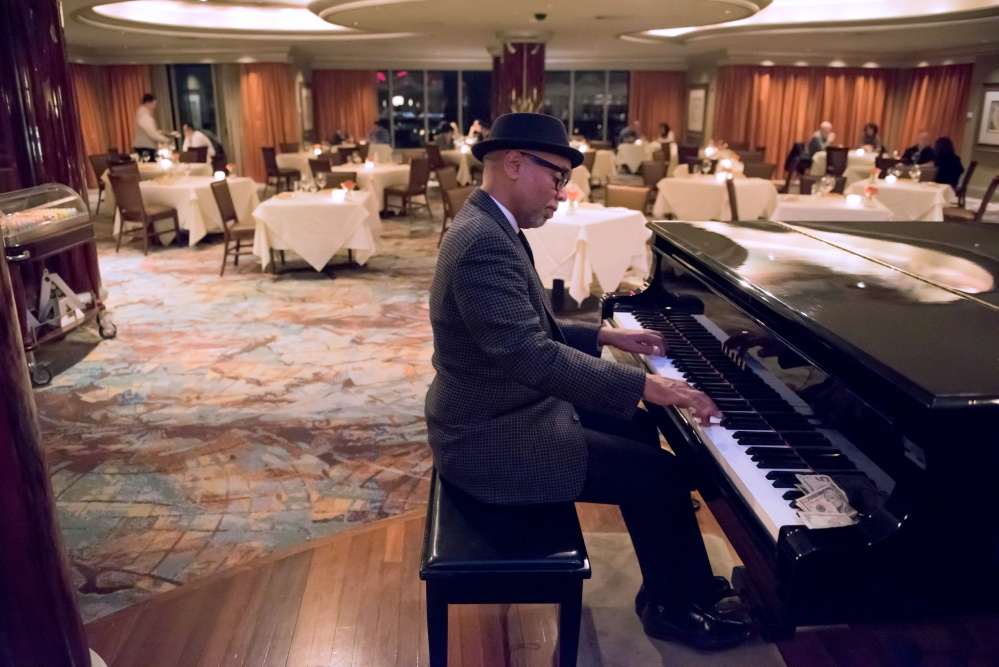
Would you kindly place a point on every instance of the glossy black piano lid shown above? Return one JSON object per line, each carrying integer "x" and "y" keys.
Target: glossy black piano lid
{"x": 920, "y": 304}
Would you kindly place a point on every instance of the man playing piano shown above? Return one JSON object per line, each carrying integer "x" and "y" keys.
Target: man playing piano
{"x": 524, "y": 410}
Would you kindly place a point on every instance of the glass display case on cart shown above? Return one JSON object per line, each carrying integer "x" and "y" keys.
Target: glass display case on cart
{"x": 48, "y": 239}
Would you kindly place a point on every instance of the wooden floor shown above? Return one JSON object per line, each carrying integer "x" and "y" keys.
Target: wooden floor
{"x": 355, "y": 599}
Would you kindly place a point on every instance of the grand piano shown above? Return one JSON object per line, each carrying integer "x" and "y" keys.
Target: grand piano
{"x": 865, "y": 351}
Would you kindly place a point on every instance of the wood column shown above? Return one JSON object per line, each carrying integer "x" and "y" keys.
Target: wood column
{"x": 518, "y": 78}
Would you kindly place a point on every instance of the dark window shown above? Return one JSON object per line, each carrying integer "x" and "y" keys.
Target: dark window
{"x": 407, "y": 108}
{"x": 442, "y": 98}
{"x": 477, "y": 98}
{"x": 617, "y": 104}
{"x": 195, "y": 95}
{"x": 558, "y": 95}
{"x": 588, "y": 104}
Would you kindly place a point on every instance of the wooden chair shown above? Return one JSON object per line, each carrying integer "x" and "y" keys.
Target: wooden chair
{"x": 962, "y": 189}
{"x": 125, "y": 185}
{"x": 334, "y": 158}
{"x": 276, "y": 174}
{"x": 885, "y": 164}
{"x": 739, "y": 145}
{"x": 600, "y": 145}
{"x": 234, "y": 232}
{"x": 687, "y": 152}
{"x": 363, "y": 150}
{"x": 115, "y": 157}
{"x": 195, "y": 155}
{"x": 99, "y": 163}
{"x": 319, "y": 165}
{"x": 435, "y": 157}
{"x": 808, "y": 181}
{"x": 763, "y": 170}
{"x": 836, "y": 160}
{"x": 751, "y": 157}
{"x": 454, "y": 199}
{"x": 927, "y": 174}
{"x": 419, "y": 174}
{"x": 733, "y": 206}
{"x": 589, "y": 157}
{"x": 659, "y": 156}
{"x": 447, "y": 176}
{"x": 627, "y": 196}
{"x": 288, "y": 147}
{"x": 335, "y": 179}
{"x": 653, "y": 171}
{"x": 963, "y": 215}
{"x": 346, "y": 153}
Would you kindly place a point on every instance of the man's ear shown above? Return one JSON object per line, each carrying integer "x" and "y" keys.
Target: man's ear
{"x": 512, "y": 162}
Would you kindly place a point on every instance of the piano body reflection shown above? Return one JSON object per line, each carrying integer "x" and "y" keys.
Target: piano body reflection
{"x": 868, "y": 352}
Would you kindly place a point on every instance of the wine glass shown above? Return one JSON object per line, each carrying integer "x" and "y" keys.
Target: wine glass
{"x": 915, "y": 172}
{"x": 826, "y": 184}
{"x": 321, "y": 180}
{"x": 705, "y": 166}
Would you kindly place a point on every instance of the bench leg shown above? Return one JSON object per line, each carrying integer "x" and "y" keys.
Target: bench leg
{"x": 436, "y": 626}
{"x": 570, "y": 611}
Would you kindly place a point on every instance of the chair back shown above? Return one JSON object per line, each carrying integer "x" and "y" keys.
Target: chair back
{"x": 270, "y": 160}
{"x": 763, "y": 170}
{"x": 99, "y": 163}
{"x": 125, "y": 186}
{"x": 114, "y": 157}
{"x": 126, "y": 168}
{"x": 589, "y": 157}
{"x": 435, "y": 157}
{"x": 686, "y": 152}
{"x": 927, "y": 174}
{"x": 986, "y": 198}
{"x": 454, "y": 199}
{"x": 345, "y": 153}
{"x": 885, "y": 164}
{"x": 419, "y": 174}
{"x": 198, "y": 154}
{"x": 836, "y": 160}
{"x": 335, "y": 179}
{"x": 363, "y": 150}
{"x": 796, "y": 158}
{"x": 319, "y": 165}
{"x": 288, "y": 147}
{"x": 227, "y": 210}
{"x": 807, "y": 181}
{"x": 333, "y": 158}
{"x": 730, "y": 187}
{"x": 653, "y": 171}
{"x": 751, "y": 157}
{"x": 627, "y": 196}
{"x": 447, "y": 176}
{"x": 962, "y": 189}
{"x": 600, "y": 145}
{"x": 659, "y": 156}
{"x": 739, "y": 145}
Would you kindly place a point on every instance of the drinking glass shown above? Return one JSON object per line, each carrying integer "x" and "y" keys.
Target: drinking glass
{"x": 321, "y": 180}
{"x": 915, "y": 172}
{"x": 705, "y": 166}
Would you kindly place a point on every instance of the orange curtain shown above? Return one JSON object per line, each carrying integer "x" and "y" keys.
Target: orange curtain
{"x": 88, "y": 90}
{"x": 126, "y": 84}
{"x": 936, "y": 100}
{"x": 657, "y": 97}
{"x": 778, "y": 106}
{"x": 344, "y": 100}
{"x": 269, "y": 112}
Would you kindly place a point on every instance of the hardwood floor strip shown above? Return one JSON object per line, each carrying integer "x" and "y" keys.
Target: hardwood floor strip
{"x": 239, "y": 634}
{"x": 389, "y": 608}
{"x": 411, "y": 615}
{"x": 394, "y": 542}
{"x": 278, "y": 612}
{"x": 351, "y": 601}
{"x": 211, "y": 610}
{"x": 109, "y": 637}
{"x": 472, "y": 651}
{"x": 312, "y": 643}
{"x": 365, "y": 635}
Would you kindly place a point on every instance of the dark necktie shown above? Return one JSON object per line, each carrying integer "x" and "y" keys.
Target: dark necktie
{"x": 527, "y": 246}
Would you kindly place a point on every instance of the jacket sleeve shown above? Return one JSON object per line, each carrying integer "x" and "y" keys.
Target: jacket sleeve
{"x": 581, "y": 335}
{"x": 491, "y": 293}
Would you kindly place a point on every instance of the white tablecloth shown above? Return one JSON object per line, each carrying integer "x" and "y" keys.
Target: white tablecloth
{"x": 197, "y": 210}
{"x": 858, "y": 167}
{"x": 706, "y": 198}
{"x": 463, "y": 161}
{"x": 581, "y": 177}
{"x": 604, "y": 165}
{"x": 377, "y": 178}
{"x": 316, "y": 226}
{"x": 632, "y": 155}
{"x": 298, "y": 161}
{"x": 828, "y": 208}
{"x": 596, "y": 241}
{"x": 150, "y": 170}
{"x": 908, "y": 199}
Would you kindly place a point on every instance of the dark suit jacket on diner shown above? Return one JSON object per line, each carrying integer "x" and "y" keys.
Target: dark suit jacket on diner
{"x": 913, "y": 155}
{"x": 500, "y": 413}
{"x": 949, "y": 169}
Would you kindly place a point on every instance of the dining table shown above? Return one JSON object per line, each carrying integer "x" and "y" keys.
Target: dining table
{"x": 192, "y": 197}
{"x": 908, "y": 199}
{"x": 580, "y": 176}
{"x": 829, "y": 207}
{"x": 858, "y": 165}
{"x": 592, "y": 241}
{"x": 375, "y": 177}
{"x": 149, "y": 171}
{"x": 604, "y": 166}
{"x": 632, "y": 155}
{"x": 463, "y": 160}
{"x": 317, "y": 225}
{"x": 705, "y": 197}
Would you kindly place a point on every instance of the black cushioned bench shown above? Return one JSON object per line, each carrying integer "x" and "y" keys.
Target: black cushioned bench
{"x": 474, "y": 553}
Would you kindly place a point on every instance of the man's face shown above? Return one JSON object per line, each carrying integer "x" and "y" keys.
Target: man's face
{"x": 826, "y": 128}
{"x": 923, "y": 140}
{"x": 538, "y": 187}
{"x": 188, "y": 132}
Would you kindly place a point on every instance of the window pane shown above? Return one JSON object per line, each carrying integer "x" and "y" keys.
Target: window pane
{"x": 477, "y": 97}
{"x": 383, "y": 94}
{"x": 195, "y": 95}
{"x": 407, "y": 108}
{"x": 588, "y": 105}
{"x": 557, "y": 95}
{"x": 617, "y": 104}
{"x": 442, "y": 98}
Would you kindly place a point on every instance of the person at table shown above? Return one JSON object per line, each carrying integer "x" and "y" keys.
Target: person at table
{"x": 341, "y": 136}
{"x": 445, "y": 137}
{"x": 524, "y": 410}
{"x": 379, "y": 133}
{"x": 148, "y": 137}
{"x": 921, "y": 152}
{"x": 197, "y": 139}
{"x": 822, "y": 139}
{"x": 666, "y": 135}
{"x": 870, "y": 140}
{"x": 631, "y": 133}
{"x": 948, "y": 162}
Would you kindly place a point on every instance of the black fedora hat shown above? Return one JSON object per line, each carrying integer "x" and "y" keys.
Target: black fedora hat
{"x": 533, "y": 131}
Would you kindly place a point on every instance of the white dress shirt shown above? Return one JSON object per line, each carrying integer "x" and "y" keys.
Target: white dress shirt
{"x": 199, "y": 140}
{"x": 147, "y": 135}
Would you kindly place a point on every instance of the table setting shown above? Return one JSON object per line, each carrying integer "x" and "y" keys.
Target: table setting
{"x": 375, "y": 177}
{"x": 858, "y": 165}
{"x": 906, "y": 198}
{"x": 829, "y": 207}
{"x": 705, "y": 197}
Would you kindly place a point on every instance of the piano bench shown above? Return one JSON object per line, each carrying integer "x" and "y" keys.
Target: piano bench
{"x": 474, "y": 553}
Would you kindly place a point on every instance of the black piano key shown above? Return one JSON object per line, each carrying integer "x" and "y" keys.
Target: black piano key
{"x": 793, "y": 494}
{"x": 783, "y": 480}
{"x": 782, "y": 465}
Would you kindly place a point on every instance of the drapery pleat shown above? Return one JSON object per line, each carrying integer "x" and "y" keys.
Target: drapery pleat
{"x": 88, "y": 89}
{"x": 230, "y": 99}
{"x": 344, "y": 100}
{"x": 657, "y": 97}
{"x": 126, "y": 84}
{"x": 159, "y": 85}
{"x": 778, "y": 106}
{"x": 269, "y": 112}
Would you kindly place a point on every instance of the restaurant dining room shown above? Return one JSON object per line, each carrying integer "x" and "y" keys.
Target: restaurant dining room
{"x": 330, "y": 330}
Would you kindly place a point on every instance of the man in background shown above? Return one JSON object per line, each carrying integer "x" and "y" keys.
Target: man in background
{"x": 922, "y": 152}
{"x": 823, "y": 137}
{"x": 630, "y": 134}
{"x": 379, "y": 134}
{"x": 148, "y": 137}
{"x": 198, "y": 139}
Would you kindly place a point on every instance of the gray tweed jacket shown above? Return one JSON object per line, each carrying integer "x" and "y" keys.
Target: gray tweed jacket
{"x": 500, "y": 415}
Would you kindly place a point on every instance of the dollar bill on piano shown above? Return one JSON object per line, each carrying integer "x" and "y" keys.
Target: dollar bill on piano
{"x": 825, "y": 504}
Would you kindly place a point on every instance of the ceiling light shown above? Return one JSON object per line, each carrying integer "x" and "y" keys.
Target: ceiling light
{"x": 209, "y": 16}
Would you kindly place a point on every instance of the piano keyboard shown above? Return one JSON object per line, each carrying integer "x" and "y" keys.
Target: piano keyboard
{"x": 767, "y": 435}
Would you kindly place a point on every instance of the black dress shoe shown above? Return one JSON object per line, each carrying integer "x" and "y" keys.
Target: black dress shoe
{"x": 716, "y": 591}
{"x": 694, "y": 625}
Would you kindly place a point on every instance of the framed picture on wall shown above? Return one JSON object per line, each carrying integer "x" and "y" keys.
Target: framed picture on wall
{"x": 696, "y": 103}
{"x": 988, "y": 133}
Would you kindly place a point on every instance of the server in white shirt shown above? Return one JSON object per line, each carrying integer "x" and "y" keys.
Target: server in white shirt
{"x": 197, "y": 139}
{"x": 148, "y": 137}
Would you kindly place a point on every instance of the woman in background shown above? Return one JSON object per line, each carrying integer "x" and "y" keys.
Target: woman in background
{"x": 665, "y": 134}
{"x": 949, "y": 167}
{"x": 870, "y": 140}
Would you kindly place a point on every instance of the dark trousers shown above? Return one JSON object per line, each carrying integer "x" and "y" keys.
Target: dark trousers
{"x": 627, "y": 467}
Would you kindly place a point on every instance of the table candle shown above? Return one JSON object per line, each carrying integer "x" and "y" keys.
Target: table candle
{"x": 219, "y": 175}
{"x": 853, "y": 200}
{"x": 890, "y": 178}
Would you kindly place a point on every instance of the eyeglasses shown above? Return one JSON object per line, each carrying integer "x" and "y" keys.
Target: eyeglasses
{"x": 561, "y": 175}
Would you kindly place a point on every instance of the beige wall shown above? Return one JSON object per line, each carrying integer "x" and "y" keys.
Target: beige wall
{"x": 986, "y": 71}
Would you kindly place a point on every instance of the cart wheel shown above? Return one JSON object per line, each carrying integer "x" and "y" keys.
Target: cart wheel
{"x": 40, "y": 376}
{"x": 106, "y": 328}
